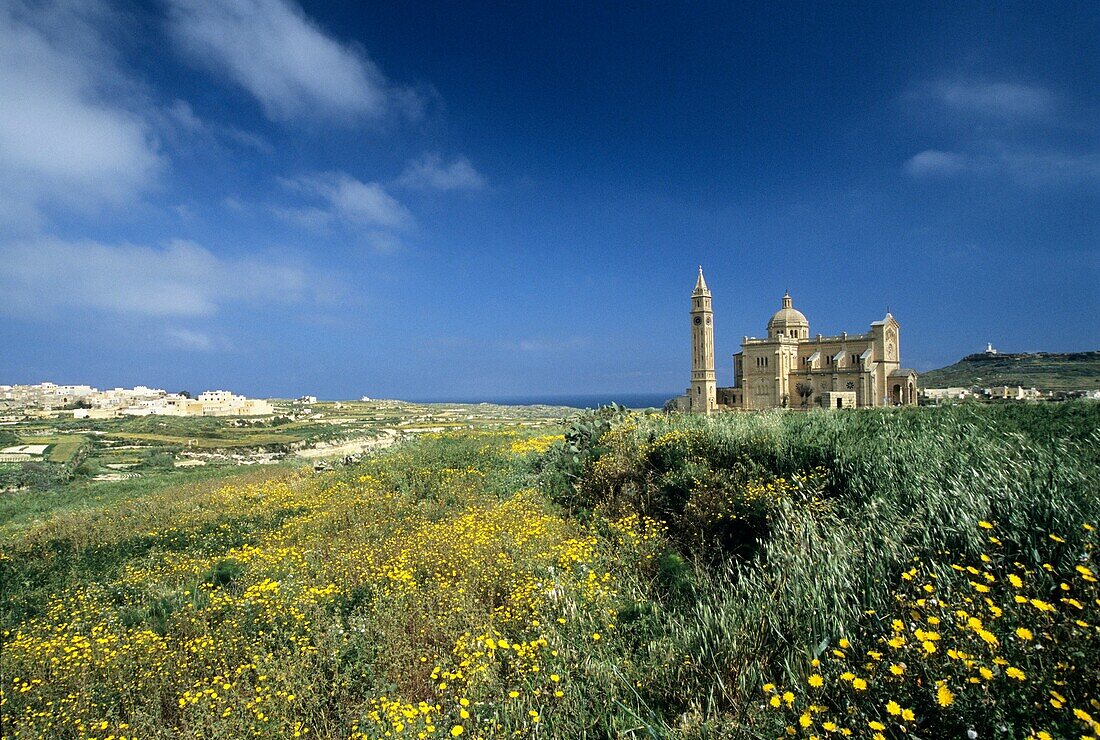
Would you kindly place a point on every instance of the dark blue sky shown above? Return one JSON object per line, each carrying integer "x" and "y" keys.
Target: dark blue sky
{"x": 485, "y": 200}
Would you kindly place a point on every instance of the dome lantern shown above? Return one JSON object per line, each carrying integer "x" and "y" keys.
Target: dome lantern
{"x": 788, "y": 321}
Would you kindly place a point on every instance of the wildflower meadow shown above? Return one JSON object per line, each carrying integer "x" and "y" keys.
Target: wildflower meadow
{"x": 881, "y": 573}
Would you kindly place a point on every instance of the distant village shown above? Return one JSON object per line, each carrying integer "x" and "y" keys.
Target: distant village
{"x": 1000, "y": 392}
{"x": 86, "y": 402}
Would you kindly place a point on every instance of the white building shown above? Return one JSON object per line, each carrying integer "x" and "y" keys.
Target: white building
{"x": 43, "y": 395}
{"x": 1014, "y": 393}
{"x": 227, "y": 403}
{"x": 941, "y": 395}
{"x": 117, "y": 398}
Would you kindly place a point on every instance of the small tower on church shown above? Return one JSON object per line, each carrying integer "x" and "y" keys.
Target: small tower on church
{"x": 703, "y": 389}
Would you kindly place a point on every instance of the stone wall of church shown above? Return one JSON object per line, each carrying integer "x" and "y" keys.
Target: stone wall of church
{"x": 767, "y": 372}
{"x": 854, "y": 368}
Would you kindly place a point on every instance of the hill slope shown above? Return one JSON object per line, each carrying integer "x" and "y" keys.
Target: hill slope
{"x": 1045, "y": 370}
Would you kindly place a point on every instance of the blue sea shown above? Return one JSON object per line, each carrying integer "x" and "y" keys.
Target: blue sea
{"x": 587, "y": 401}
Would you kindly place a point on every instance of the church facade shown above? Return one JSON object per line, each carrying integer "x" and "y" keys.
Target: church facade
{"x": 790, "y": 368}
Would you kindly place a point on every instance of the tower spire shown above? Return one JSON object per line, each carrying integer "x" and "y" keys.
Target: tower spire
{"x": 701, "y": 284}
{"x": 702, "y": 393}
{"x": 786, "y": 299}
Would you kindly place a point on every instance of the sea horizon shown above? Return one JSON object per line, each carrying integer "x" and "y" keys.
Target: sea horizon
{"x": 578, "y": 400}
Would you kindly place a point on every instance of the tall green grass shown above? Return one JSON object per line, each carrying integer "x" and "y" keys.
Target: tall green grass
{"x": 899, "y": 486}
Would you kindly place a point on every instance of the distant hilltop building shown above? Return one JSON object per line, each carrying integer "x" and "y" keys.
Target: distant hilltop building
{"x": 143, "y": 401}
{"x": 43, "y": 395}
{"x": 789, "y": 368}
{"x": 989, "y": 349}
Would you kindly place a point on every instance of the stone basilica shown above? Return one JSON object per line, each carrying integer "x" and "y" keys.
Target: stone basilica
{"x": 789, "y": 368}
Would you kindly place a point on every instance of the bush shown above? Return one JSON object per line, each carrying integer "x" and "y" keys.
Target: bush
{"x": 797, "y": 525}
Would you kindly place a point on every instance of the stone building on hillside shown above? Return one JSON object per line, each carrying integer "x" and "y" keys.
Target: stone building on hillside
{"x": 790, "y": 368}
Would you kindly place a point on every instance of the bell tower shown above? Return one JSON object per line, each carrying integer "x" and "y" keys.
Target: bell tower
{"x": 703, "y": 385}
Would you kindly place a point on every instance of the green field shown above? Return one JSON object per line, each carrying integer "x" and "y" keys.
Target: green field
{"x": 85, "y": 450}
{"x": 63, "y": 447}
{"x": 902, "y": 573}
{"x": 241, "y": 438}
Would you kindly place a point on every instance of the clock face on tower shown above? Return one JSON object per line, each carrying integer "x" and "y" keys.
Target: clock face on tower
{"x": 698, "y": 320}
{"x": 708, "y": 321}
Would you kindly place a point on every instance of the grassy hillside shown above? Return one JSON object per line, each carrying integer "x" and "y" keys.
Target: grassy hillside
{"x": 1075, "y": 371}
{"x": 881, "y": 573}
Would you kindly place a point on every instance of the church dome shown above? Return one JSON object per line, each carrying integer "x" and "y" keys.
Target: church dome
{"x": 788, "y": 321}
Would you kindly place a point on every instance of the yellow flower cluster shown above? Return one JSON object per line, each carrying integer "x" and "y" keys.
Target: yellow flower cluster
{"x": 541, "y": 444}
{"x": 959, "y": 649}
{"x": 753, "y": 500}
{"x": 226, "y": 606}
{"x": 642, "y": 536}
{"x": 519, "y": 570}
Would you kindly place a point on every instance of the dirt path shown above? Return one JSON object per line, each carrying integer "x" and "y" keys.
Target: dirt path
{"x": 355, "y": 446}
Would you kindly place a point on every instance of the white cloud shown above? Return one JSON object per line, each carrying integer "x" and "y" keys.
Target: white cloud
{"x": 383, "y": 241}
{"x": 1043, "y": 169}
{"x": 307, "y": 217}
{"x": 431, "y": 172}
{"x": 65, "y": 135}
{"x": 1014, "y": 164}
{"x": 43, "y": 275}
{"x": 189, "y": 339}
{"x": 1003, "y": 133}
{"x": 934, "y": 163}
{"x": 367, "y": 203}
{"x": 348, "y": 199}
{"x": 233, "y": 204}
{"x": 181, "y": 113}
{"x": 1010, "y": 100}
{"x": 284, "y": 59}
{"x": 180, "y": 118}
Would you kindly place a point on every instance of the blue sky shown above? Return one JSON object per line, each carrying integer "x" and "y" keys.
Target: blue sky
{"x": 485, "y": 200}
